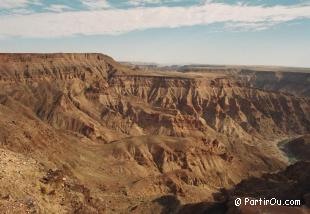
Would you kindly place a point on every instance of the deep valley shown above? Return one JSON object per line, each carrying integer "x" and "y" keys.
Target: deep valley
{"x": 82, "y": 133}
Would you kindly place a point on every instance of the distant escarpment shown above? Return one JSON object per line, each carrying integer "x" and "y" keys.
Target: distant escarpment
{"x": 296, "y": 83}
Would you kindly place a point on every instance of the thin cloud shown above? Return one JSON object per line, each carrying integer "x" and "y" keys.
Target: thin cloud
{"x": 58, "y": 8}
{"x": 117, "y": 21}
{"x": 249, "y": 26}
{"x": 17, "y": 4}
{"x": 96, "y": 4}
{"x": 143, "y": 2}
{"x": 22, "y": 11}
{"x": 9, "y": 4}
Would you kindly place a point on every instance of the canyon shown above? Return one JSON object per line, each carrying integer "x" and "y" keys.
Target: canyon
{"x": 82, "y": 133}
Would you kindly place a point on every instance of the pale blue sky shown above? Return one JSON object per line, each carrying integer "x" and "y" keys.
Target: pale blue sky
{"x": 260, "y": 32}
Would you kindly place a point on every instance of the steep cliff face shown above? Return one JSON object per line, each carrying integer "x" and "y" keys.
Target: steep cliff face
{"x": 284, "y": 81}
{"x": 168, "y": 133}
{"x": 288, "y": 186}
{"x": 88, "y": 93}
{"x": 219, "y": 104}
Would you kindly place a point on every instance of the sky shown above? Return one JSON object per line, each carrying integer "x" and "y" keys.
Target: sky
{"x": 234, "y": 32}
